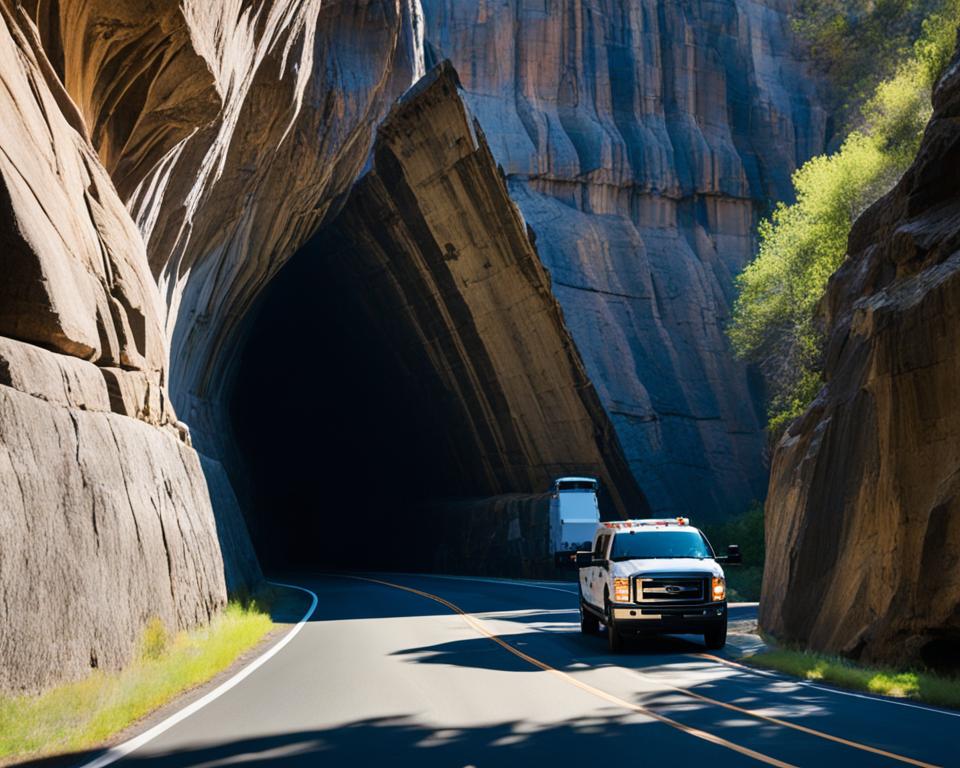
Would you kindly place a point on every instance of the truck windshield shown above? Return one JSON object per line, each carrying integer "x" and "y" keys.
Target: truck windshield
{"x": 659, "y": 544}
{"x": 577, "y": 485}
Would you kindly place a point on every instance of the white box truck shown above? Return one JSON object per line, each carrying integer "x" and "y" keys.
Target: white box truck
{"x": 574, "y": 513}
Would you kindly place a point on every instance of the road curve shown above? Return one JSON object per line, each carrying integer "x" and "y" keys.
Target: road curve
{"x": 436, "y": 671}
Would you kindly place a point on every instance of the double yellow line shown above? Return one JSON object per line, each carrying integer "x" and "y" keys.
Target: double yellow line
{"x": 690, "y": 731}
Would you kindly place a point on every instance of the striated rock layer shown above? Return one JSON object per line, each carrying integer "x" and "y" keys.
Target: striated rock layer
{"x": 863, "y": 516}
{"x": 642, "y": 140}
{"x": 438, "y": 255}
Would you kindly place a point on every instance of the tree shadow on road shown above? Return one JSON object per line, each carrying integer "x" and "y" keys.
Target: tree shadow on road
{"x": 405, "y": 741}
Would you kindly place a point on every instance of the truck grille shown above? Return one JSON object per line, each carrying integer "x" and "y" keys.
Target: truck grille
{"x": 669, "y": 590}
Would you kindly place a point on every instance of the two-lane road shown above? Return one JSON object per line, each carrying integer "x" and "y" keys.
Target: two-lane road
{"x": 432, "y": 671}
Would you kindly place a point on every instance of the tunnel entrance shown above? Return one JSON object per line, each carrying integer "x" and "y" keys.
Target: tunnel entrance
{"x": 340, "y": 443}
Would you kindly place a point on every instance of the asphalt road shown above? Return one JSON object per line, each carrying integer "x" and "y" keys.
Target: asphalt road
{"x": 388, "y": 677}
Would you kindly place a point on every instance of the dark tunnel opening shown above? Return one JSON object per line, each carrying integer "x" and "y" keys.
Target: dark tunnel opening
{"x": 341, "y": 444}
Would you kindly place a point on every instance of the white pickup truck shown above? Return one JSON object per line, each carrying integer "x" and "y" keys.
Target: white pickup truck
{"x": 653, "y": 576}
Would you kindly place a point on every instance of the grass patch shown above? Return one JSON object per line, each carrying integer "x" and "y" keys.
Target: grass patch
{"x": 920, "y": 685}
{"x": 84, "y": 714}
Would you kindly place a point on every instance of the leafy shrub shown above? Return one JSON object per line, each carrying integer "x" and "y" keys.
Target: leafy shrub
{"x": 857, "y": 43}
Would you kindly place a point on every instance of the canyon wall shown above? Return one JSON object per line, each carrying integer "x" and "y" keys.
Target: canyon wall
{"x": 229, "y": 130}
{"x": 862, "y": 517}
{"x": 641, "y": 141}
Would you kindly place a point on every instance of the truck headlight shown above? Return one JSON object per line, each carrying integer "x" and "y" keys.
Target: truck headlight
{"x": 621, "y": 590}
{"x": 719, "y": 591}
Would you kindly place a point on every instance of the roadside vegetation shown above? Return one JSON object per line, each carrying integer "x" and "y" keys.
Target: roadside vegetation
{"x": 774, "y": 323}
{"x": 922, "y": 686}
{"x": 86, "y": 713}
{"x": 743, "y": 581}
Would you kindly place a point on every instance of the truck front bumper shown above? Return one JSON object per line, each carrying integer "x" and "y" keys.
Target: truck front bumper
{"x": 652, "y": 619}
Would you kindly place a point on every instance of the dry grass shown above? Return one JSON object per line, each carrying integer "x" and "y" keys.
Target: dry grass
{"x": 84, "y": 714}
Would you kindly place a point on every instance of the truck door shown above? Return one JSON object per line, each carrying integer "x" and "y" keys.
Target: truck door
{"x": 596, "y": 575}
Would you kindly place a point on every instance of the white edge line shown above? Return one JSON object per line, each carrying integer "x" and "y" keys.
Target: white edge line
{"x": 784, "y": 677}
{"x": 122, "y": 750}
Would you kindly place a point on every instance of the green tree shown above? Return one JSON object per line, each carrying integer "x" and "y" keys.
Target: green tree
{"x": 857, "y": 43}
{"x": 801, "y": 245}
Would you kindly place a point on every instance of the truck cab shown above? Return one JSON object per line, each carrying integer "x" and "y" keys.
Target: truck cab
{"x": 645, "y": 577}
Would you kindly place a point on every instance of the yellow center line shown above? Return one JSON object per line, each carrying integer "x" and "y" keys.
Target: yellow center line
{"x": 570, "y": 679}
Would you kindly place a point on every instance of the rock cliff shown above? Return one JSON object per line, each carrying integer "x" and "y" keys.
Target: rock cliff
{"x": 864, "y": 504}
{"x": 641, "y": 141}
{"x": 105, "y": 520}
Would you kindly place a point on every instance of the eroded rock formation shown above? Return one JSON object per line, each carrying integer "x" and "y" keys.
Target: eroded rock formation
{"x": 863, "y": 517}
{"x": 641, "y": 141}
{"x": 439, "y": 256}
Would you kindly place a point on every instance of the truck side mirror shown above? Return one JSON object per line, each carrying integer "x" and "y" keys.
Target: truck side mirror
{"x": 584, "y": 559}
{"x": 733, "y": 556}
{"x": 566, "y": 560}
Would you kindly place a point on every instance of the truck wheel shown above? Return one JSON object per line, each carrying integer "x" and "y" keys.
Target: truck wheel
{"x": 614, "y": 638}
{"x": 589, "y": 624}
{"x": 716, "y": 637}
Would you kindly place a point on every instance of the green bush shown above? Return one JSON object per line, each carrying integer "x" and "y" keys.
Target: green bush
{"x": 774, "y": 321}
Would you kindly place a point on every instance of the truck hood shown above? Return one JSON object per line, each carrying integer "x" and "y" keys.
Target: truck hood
{"x": 654, "y": 566}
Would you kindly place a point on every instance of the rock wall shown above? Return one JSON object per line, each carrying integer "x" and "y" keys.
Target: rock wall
{"x": 863, "y": 516}
{"x": 433, "y": 248}
{"x": 105, "y": 519}
{"x": 146, "y": 198}
{"x": 506, "y": 535}
{"x": 641, "y": 141}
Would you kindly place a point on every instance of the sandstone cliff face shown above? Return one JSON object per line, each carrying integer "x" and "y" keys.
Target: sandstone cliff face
{"x": 438, "y": 255}
{"x": 641, "y": 140}
{"x": 862, "y": 517}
